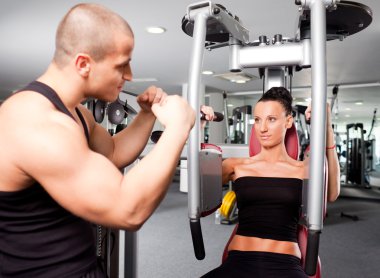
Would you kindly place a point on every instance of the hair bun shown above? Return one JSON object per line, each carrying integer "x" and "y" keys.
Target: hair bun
{"x": 281, "y": 95}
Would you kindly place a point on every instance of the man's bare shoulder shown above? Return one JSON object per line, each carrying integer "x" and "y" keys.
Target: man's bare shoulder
{"x": 32, "y": 122}
{"x": 26, "y": 104}
{"x": 33, "y": 128}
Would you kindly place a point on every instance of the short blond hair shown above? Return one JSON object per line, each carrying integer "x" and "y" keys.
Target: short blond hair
{"x": 90, "y": 29}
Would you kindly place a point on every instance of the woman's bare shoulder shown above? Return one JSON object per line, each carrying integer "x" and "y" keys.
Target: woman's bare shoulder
{"x": 234, "y": 161}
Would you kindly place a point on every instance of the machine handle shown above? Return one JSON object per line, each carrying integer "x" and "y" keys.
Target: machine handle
{"x": 312, "y": 249}
{"x": 218, "y": 117}
{"x": 196, "y": 234}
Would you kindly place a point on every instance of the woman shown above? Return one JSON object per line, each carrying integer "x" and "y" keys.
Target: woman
{"x": 268, "y": 187}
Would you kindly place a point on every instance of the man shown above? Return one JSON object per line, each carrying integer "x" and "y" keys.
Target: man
{"x": 59, "y": 168}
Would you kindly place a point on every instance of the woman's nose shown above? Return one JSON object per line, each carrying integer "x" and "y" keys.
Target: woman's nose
{"x": 263, "y": 126}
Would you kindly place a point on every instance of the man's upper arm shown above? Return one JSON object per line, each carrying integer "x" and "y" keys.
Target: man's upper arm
{"x": 57, "y": 156}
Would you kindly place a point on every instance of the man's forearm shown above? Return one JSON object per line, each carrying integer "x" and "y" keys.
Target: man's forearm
{"x": 149, "y": 180}
{"x": 129, "y": 143}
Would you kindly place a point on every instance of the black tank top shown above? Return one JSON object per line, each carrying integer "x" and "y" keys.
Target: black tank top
{"x": 39, "y": 238}
{"x": 268, "y": 207}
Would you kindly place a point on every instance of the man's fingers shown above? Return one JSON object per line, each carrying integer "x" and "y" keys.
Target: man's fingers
{"x": 159, "y": 94}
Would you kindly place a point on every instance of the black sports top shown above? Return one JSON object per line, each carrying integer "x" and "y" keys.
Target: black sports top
{"x": 39, "y": 238}
{"x": 268, "y": 207}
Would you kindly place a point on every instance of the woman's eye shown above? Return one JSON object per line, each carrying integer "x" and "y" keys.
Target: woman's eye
{"x": 257, "y": 121}
{"x": 272, "y": 119}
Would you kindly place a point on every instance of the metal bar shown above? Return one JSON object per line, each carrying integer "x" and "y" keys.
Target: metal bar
{"x": 247, "y": 132}
{"x": 362, "y": 157}
{"x": 318, "y": 133}
{"x": 225, "y": 108}
{"x": 108, "y": 253}
{"x": 127, "y": 267}
{"x": 348, "y": 152}
{"x": 288, "y": 54}
{"x": 121, "y": 266}
{"x": 194, "y": 192}
{"x": 228, "y": 150}
{"x": 199, "y": 35}
{"x": 318, "y": 125}
{"x": 274, "y": 77}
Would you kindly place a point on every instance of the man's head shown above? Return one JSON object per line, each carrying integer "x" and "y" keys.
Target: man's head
{"x": 90, "y": 29}
{"x": 94, "y": 47}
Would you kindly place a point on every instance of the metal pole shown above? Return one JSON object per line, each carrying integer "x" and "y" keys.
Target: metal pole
{"x": 246, "y": 129}
{"x": 127, "y": 243}
{"x": 194, "y": 198}
{"x": 362, "y": 157}
{"x": 228, "y": 141}
{"x": 318, "y": 131}
{"x": 348, "y": 152}
{"x": 318, "y": 125}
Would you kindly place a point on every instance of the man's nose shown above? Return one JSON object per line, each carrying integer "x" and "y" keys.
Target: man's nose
{"x": 127, "y": 74}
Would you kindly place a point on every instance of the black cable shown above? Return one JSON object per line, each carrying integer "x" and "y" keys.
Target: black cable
{"x": 263, "y": 84}
{"x": 290, "y": 84}
{"x": 373, "y": 123}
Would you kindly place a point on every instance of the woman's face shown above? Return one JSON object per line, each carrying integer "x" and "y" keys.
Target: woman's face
{"x": 271, "y": 123}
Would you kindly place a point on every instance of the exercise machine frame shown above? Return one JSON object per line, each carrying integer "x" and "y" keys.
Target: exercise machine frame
{"x": 304, "y": 53}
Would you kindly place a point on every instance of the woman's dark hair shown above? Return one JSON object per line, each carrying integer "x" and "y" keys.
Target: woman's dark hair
{"x": 281, "y": 95}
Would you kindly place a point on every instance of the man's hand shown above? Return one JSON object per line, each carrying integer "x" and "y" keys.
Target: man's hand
{"x": 174, "y": 112}
{"x": 151, "y": 96}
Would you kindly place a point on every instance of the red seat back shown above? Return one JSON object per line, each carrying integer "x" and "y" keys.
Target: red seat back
{"x": 292, "y": 147}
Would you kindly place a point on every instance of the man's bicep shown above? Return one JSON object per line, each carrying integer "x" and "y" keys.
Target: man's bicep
{"x": 80, "y": 180}
{"x": 90, "y": 190}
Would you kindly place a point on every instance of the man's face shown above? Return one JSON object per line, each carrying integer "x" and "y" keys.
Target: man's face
{"x": 109, "y": 74}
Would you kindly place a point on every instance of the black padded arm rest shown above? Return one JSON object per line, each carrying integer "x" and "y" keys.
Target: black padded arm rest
{"x": 196, "y": 234}
{"x": 312, "y": 249}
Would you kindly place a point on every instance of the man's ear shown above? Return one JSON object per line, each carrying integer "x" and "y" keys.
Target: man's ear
{"x": 83, "y": 64}
{"x": 289, "y": 121}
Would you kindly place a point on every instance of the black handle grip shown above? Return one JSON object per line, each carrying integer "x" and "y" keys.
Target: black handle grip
{"x": 155, "y": 136}
{"x": 312, "y": 249}
{"x": 196, "y": 234}
{"x": 218, "y": 117}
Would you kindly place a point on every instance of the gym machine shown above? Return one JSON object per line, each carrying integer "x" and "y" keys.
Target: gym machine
{"x": 359, "y": 154}
{"x": 241, "y": 117}
{"x": 370, "y": 144}
{"x": 118, "y": 113}
{"x": 116, "y": 250}
{"x": 355, "y": 163}
{"x": 303, "y": 129}
{"x": 205, "y": 21}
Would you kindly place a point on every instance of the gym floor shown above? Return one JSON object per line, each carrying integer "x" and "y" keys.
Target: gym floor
{"x": 348, "y": 248}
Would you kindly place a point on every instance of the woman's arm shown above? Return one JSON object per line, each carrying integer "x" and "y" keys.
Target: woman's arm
{"x": 333, "y": 168}
{"x": 333, "y": 185}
